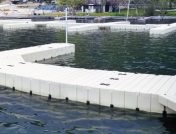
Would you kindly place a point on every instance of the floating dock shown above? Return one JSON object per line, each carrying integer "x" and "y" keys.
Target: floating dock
{"x": 73, "y": 27}
{"x": 28, "y": 24}
{"x": 163, "y": 30}
{"x": 145, "y": 92}
{"x": 120, "y": 26}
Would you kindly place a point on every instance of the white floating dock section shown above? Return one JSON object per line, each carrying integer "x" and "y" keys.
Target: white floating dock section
{"x": 20, "y": 25}
{"x": 2, "y": 22}
{"x": 74, "y": 27}
{"x": 29, "y": 24}
{"x": 145, "y": 92}
{"x": 163, "y": 30}
{"x": 35, "y": 53}
{"x": 121, "y": 26}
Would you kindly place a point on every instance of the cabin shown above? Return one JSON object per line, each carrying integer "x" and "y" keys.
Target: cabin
{"x": 103, "y": 5}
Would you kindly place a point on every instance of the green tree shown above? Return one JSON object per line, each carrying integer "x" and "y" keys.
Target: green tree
{"x": 152, "y": 5}
{"x": 170, "y": 3}
{"x": 103, "y": 3}
{"x": 72, "y": 4}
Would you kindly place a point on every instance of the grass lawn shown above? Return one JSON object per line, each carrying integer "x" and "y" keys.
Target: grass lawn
{"x": 54, "y": 14}
{"x": 171, "y": 13}
{"x": 132, "y": 12}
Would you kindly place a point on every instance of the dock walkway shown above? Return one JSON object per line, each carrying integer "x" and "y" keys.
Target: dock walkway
{"x": 145, "y": 92}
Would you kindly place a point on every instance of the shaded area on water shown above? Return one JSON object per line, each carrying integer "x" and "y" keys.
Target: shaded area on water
{"x": 22, "y": 113}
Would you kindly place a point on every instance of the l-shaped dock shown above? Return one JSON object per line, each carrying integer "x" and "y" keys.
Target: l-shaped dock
{"x": 145, "y": 92}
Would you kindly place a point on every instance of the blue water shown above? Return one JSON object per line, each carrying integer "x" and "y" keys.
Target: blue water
{"x": 122, "y": 51}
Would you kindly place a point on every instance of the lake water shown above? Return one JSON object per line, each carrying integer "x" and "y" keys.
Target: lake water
{"x": 122, "y": 51}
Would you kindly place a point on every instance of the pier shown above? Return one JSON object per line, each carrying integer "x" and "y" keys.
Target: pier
{"x": 163, "y": 30}
{"x": 141, "y": 92}
{"x": 73, "y": 27}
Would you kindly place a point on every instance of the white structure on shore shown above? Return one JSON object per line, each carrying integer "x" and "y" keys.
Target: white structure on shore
{"x": 145, "y": 92}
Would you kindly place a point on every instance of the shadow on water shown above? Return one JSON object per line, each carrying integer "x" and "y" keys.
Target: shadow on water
{"x": 38, "y": 123}
{"x": 169, "y": 124}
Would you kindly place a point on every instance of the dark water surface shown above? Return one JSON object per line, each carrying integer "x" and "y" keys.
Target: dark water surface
{"x": 21, "y": 114}
{"x": 122, "y": 51}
